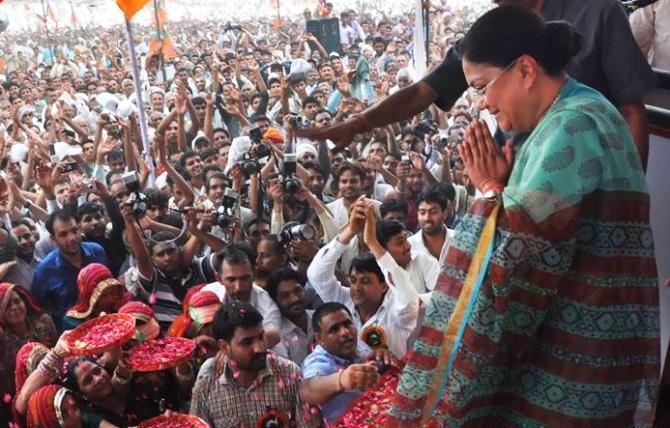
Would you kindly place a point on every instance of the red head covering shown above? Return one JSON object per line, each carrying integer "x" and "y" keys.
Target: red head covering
{"x": 91, "y": 282}
{"x": 27, "y": 360}
{"x": 274, "y": 135}
{"x": 181, "y": 323}
{"x": 5, "y": 293}
{"x": 142, "y": 313}
{"x": 44, "y": 407}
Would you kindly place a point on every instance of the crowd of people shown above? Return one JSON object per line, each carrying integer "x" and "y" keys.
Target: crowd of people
{"x": 307, "y": 243}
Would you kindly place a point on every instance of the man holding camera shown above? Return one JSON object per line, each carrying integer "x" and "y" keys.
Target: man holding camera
{"x": 166, "y": 270}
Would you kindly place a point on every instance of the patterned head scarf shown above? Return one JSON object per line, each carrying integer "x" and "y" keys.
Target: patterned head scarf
{"x": 143, "y": 314}
{"x": 27, "y": 360}
{"x": 92, "y": 281}
{"x": 202, "y": 307}
{"x": 44, "y": 407}
{"x": 181, "y": 323}
{"x": 5, "y": 294}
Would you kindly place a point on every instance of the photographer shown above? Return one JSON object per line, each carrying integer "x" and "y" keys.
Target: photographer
{"x": 166, "y": 270}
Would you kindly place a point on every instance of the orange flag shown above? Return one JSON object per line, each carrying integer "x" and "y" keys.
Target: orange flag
{"x": 131, "y": 7}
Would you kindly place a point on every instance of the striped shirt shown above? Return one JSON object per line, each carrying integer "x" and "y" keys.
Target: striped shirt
{"x": 168, "y": 293}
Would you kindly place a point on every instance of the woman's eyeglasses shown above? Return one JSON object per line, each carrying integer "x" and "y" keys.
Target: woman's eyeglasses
{"x": 482, "y": 91}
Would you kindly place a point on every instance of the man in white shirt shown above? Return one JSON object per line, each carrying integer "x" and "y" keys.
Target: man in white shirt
{"x": 350, "y": 179}
{"x": 350, "y": 30}
{"x": 387, "y": 240}
{"x": 286, "y": 289}
{"x": 370, "y": 299}
{"x": 434, "y": 237}
{"x": 236, "y": 283}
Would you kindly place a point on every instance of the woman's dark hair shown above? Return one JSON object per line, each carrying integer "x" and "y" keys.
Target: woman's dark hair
{"x": 70, "y": 377}
{"x": 505, "y": 33}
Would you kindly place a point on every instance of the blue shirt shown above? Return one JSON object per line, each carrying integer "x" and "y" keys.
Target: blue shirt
{"x": 322, "y": 363}
{"x": 55, "y": 282}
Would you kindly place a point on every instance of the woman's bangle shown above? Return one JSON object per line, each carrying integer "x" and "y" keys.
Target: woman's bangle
{"x": 491, "y": 185}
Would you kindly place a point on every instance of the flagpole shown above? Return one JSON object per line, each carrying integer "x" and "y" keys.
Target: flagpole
{"x": 161, "y": 61}
{"x": 46, "y": 29}
{"x": 140, "y": 104}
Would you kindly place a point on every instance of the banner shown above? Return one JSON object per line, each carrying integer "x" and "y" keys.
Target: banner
{"x": 131, "y": 7}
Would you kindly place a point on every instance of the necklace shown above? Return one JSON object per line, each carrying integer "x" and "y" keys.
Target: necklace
{"x": 553, "y": 103}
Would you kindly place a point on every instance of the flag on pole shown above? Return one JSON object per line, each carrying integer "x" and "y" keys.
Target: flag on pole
{"x": 73, "y": 17}
{"x": 52, "y": 15}
{"x": 131, "y": 7}
{"x": 161, "y": 40}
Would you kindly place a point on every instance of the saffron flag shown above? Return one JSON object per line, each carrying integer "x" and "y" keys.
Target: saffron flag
{"x": 52, "y": 15}
{"x": 161, "y": 40}
{"x": 131, "y": 7}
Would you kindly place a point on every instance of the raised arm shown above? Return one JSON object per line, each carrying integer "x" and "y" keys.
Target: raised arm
{"x": 136, "y": 243}
{"x": 177, "y": 179}
{"x": 403, "y": 104}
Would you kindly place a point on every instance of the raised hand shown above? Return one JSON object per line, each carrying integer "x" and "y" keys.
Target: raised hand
{"x": 357, "y": 215}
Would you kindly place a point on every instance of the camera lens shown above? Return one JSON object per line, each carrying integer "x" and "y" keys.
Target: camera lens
{"x": 291, "y": 185}
{"x": 139, "y": 209}
{"x": 263, "y": 150}
{"x": 250, "y": 167}
{"x": 223, "y": 220}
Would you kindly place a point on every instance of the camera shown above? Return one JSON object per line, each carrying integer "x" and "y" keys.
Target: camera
{"x": 67, "y": 167}
{"x": 137, "y": 199}
{"x": 249, "y": 165}
{"x": 88, "y": 186}
{"x": 132, "y": 181}
{"x": 445, "y": 141}
{"x": 299, "y": 121}
{"x": 263, "y": 150}
{"x": 255, "y": 135}
{"x": 115, "y": 132}
{"x": 225, "y": 212}
{"x": 296, "y": 231}
{"x": 426, "y": 127}
{"x": 231, "y": 26}
{"x": 291, "y": 183}
{"x": 108, "y": 116}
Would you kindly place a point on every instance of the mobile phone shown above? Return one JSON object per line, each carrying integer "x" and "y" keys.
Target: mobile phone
{"x": 68, "y": 167}
{"x": 53, "y": 157}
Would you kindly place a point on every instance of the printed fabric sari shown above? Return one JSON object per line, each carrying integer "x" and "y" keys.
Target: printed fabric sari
{"x": 546, "y": 310}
